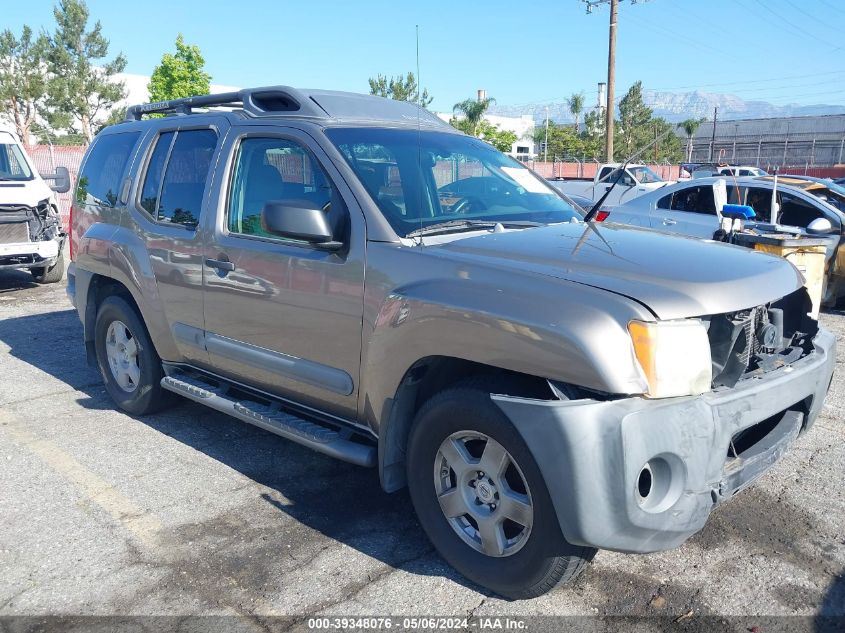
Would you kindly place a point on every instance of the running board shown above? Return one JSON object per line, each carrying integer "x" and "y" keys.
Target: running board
{"x": 271, "y": 418}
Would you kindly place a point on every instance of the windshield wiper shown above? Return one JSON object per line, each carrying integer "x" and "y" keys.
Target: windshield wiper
{"x": 459, "y": 225}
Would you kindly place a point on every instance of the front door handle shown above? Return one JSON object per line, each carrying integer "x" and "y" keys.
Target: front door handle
{"x": 669, "y": 221}
{"x": 220, "y": 264}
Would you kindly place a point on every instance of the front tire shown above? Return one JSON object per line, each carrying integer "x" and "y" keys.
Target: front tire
{"x": 51, "y": 275}
{"x": 482, "y": 500}
{"x": 128, "y": 362}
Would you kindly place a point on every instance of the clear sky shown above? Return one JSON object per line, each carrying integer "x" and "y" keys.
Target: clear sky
{"x": 782, "y": 51}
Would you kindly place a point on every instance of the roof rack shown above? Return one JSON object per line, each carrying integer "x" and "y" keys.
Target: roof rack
{"x": 271, "y": 100}
{"x": 284, "y": 100}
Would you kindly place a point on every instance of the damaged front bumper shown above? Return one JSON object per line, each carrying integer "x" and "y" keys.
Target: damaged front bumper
{"x": 29, "y": 254}
{"x": 687, "y": 454}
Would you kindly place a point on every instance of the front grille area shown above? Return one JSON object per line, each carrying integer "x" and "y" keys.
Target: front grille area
{"x": 14, "y": 232}
{"x": 760, "y": 339}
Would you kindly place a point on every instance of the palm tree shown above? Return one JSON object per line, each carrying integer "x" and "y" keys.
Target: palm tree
{"x": 689, "y": 127}
{"x": 473, "y": 111}
{"x": 576, "y": 107}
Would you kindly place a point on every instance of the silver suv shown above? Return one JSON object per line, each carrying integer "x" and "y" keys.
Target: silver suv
{"x": 353, "y": 274}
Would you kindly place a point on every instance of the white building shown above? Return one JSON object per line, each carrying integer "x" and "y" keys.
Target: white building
{"x": 522, "y": 126}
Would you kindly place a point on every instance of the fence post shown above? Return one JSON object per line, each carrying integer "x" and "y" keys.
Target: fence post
{"x": 841, "y": 147}
{"x": 759, "y": 150}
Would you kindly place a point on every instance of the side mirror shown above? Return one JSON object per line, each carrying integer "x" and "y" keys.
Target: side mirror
{"x": 61, "y": 180}
{"x": 820, "y": 226}
{"x": 299, "y": 220}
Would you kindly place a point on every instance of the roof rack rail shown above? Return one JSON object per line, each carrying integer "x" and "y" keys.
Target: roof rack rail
{"x": 272, "y": 100}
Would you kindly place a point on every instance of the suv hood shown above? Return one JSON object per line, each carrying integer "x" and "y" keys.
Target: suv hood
{"x": 674, "y": 276}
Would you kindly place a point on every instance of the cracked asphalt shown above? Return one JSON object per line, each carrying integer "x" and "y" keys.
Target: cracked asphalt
{"x": 190, "y": 512}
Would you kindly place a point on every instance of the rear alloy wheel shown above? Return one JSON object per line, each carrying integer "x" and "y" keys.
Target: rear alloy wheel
{"x": 486, "y": 508}
{"x": 128, "y": 362}
{"x": 122, "y": 352}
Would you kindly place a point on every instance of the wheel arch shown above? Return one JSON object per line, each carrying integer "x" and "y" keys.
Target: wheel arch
{"x": 426, "y": 377}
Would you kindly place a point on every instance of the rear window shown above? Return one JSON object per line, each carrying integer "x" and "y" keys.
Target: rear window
{"x": 99, "y": 180}
{"x": 174, "y": 183}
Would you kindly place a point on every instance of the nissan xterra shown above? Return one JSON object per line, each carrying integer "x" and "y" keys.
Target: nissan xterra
{"x": 355, "y": 275}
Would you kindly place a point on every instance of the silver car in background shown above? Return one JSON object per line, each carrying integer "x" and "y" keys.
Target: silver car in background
{"x": 690, "y": 208}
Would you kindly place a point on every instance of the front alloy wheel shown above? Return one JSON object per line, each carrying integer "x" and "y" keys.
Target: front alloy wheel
{"x": 488, "y": 510}
{"x": 483, "y": 493}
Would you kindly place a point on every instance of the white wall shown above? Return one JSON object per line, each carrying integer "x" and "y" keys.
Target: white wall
{"x": 522, "y": 126}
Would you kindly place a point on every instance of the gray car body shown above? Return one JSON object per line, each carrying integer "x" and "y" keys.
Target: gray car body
{"x": 551, "y": 303}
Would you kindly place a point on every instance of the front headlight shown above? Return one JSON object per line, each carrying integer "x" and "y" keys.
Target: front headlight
{"x": 674, "y": 357}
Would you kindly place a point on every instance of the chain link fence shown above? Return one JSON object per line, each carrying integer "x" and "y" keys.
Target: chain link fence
{"x": 47, "y": 157}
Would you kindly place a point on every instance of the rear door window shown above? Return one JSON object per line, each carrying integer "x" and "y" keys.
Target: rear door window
{"x": 695, "y": 200}
{"x": 99, "y": 180}
{"x": 174, "y": 184}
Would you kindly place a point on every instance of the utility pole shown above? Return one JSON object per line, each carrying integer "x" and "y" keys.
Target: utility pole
{"x": 611, "y": 82}
{"x": 713, "y": 136}
{"x": 546, "y": 144}
{"x": 611, "y": 71}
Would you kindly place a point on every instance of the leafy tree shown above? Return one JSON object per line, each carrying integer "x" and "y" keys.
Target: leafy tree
{"x": 81, "y": 84}
{"x": 116, "y": 115}
{"x": 593, "y": 134}
{"x": 634, "y": 128}
{"x": 180, "y": 75}
{"x": 23, "y": 84}
{"x": 502, "y": 140}
{"x": 563, "y": 140}
{"x": 473, "y": 111}
{"x": 400, "y": 88}
{"x": 576, "y": 107}
{"x": 690, "y": 126}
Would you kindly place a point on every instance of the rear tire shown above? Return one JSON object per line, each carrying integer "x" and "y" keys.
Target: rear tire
{"x": 128, "y": 362}
{"x": 526, "y": 562}
{"x": 51, "y": 275}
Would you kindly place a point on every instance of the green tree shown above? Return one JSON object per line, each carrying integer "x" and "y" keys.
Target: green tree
{"x": 116, "y": 115}
{"x": 23, "y": 84}
{"x": 634, "y": 127}
{"x": 180, "y": 75}
{"x": 502, "y": 140}
{"x": 81, "y": 84}
{"x": 576, "y": 107}
{"x": 690, "y": 126}
{"x": 472, "y": 111}
{"x": 563, "y": 141}
{"x": 593, "y": 135}
{"x": 400, "y": 88}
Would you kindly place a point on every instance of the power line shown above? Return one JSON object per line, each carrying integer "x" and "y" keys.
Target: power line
{"x": 793, "y": 25}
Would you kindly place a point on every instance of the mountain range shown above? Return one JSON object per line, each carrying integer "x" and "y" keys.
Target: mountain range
{"x": 677, "y": 106}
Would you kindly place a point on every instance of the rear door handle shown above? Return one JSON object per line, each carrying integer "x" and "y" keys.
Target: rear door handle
{"x": 220, "y": 264}
{"x": 669, "y": 221}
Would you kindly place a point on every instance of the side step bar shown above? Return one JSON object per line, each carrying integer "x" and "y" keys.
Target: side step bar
{"x": 271, "y": 418}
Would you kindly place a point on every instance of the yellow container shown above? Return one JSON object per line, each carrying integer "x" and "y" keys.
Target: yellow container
{"x": 809, "y": 259}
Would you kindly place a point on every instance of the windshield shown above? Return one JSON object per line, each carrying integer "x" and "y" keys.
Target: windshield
{"x": 13, "y": 166}
{"x": 644, "y": 175}
{"x": 422, "y": 178}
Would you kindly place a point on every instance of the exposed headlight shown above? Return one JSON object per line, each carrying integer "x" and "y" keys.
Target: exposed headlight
{"x": 674, "y": 357}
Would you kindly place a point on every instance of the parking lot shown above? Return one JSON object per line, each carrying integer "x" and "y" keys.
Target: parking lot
{"x": 191, "y": 512}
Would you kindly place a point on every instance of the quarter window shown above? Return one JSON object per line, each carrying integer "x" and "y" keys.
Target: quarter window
{"x": 282, "y": 171}
{"x": 99, "y": 180}
{"x": 174, "y": 184}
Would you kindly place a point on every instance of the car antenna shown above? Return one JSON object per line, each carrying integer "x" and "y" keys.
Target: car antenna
{"x": 419, "y": 136}
{"x": 595, "y": 208}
